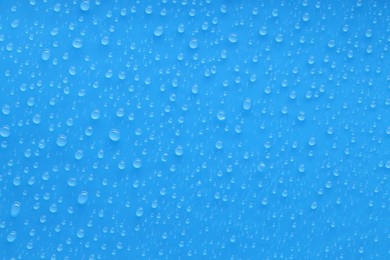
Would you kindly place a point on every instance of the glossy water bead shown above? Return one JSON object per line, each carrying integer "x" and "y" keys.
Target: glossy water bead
{"x": 82, "y": 197}
{"x": 114, "y": 135}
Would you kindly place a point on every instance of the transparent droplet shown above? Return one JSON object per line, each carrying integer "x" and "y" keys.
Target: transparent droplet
{"x": 79, "y": 154}
{"x": 61, "y": 140}
{"x": 11, "y": 237}
{"x": 193, "y": 43}
{"x": 139, "y": 212}
{"x": 77, "y": 43}
{"x": 85, "y": 5}
{"x": 247, "y": 104}
{"x": 15, "y": 209}
{"x": 219, "y": 145}
{"x": 105, "y": 40}
{"x": 137, "y": 163}
{"x": 36, "y": 119}
{"x": 279, "y": 37}
{"x": 312, "y": 141}
{"x": 45, "y": 55}
{"x": 301, "y": 116}
{"x": 5, "y": 131}
{"x": 82, "y": 198}
{"x": 72, "y": 181}
{"x": 80, "y": 233}
{"x": 233, "y": 38}
{"x": 6, "y": 110}
{"x": 114, "y": 135}
{"x": 95, "y": 114}
{"x": 263, "y": 30}
{"x": 221, "y": 115}
{"x": 179, "y": 150}
{"x": 158, "y": 31}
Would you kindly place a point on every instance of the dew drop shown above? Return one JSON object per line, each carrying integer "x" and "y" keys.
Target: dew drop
{"x": 233, "y": 38}
{"x": 85, "y": 5}
{"x": 82, "y": 198}
{"x": 11, "y": 237}
{"x": 139, "y": 212}
{"x": 77, "y": 43}
{"x": 193, "y": 43}
{"x": 137, "y": 163}
{"x": 158, "y": 31}
{"x": 5, "y": 131}
{"x": 45, "y": 55}
{"x": 221, "y": 115}
{"x": 61, "y": 140}
{"x": 263, "y": 31}
{"x": 247, "y": 104}
{"x": 15, "y": 209}
{"x": 179, "y": 150}
{"x": 114, "y": 135}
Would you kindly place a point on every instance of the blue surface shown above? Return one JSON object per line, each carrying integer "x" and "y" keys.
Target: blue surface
{"x": 211, "y": 129}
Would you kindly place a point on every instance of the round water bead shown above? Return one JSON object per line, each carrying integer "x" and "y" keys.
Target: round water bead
{"x": 114, "y": 135}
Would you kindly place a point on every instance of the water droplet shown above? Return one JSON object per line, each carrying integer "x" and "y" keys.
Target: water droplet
{"x": 61, "y": 140}
{"x": 233, "y": 38}
{"x": 5, "y": 131}
{"x": 82, "y": 198}
{"x": 158, "y": 31}
{"x": 139, "y": 212}
{"x": 15, "y": 209}
{"x": 77, "y": 43}
{"x": 263, "y": 30}
{"x": 247, "y": 104}
{"x": 219, "y": 145}
{"x": 85, "y": 5}
{"x": 137, "y": 163}
{"x": 193, "y": 43}
{"x": 11, "y": 237}
{"x": 95, "y": 114}
{"x": 179, "y": 150}
{"x": 279, "y": 37}
{"x": 114, "y": 135}
{"x": 221, "y": 115}
{"x": 46, "y": 55}
{"x": 105, "y": 40}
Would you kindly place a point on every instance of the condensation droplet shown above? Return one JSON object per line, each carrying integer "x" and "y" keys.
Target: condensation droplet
{"x": 114, "y": 135}
{"x": 61, "y": 140}
{"x": 5, "y": 131}
{"x": 247, "y": 104}
{"x": 15, "y": 209}
{"x": 11, "y": 237}
{"x": 158, "y": 31}
{"x": 45, "y": 55}
{"x": 82, "y": 198}
{"x": 77, "y": 43}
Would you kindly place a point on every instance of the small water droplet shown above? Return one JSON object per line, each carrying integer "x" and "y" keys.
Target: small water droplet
{"x": 193, "y": 43}
{"x": 114, "y": 135}
{"x": 77, "y": 43}
{"x": 247, "y": 104}
{"x": 46, "y": 55}
{"x": 15, "y": 209}
{"x": 11, "y": 237}
{"x": 158, "y": 31}
{"x": 61, "y": 140}
{"x": 137, "y": 163}
{"x": 5, "y": 131}
{"x": 82, "y": 198}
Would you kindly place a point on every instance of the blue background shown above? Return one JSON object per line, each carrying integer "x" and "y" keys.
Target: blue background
{"x": 211, "y": 129}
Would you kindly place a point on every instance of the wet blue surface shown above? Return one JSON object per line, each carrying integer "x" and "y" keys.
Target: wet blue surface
{"x": 211, "y": 129}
